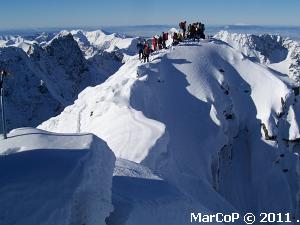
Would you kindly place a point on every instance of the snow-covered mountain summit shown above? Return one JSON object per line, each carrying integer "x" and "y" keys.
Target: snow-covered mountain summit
{"x": 281, "y": 54}
{"x": 204, "y": 127}
{"x": 102, "y": 41}
{"x": 205, "y": 118}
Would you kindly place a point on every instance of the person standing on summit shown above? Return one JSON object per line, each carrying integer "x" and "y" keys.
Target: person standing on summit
{"x": 182, "y": 25}
{"x": 160, "y": 42}
{"x": 146, "y": 53}
{"x": 154, "y": 43}
{"x": 140, "y": 47}
{"x": 165, "y": 37}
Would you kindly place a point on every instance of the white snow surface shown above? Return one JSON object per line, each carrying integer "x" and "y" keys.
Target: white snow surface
{"x": 205, "y": 118}
{"x": 139, "y": 196}
{"x": 209, "y": 126}
{"x": 280, "y": 54}
{"x": 51, "y": 179}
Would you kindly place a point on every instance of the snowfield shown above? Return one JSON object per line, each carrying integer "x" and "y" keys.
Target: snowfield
{"x": 205, "y": 127}
{"x": 49, "y": 178}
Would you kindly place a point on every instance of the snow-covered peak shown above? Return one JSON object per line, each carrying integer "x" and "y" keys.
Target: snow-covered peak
{"x": 94, "y": 42}
{"x": 202, "y": 116}
{"x": 198, "y": 119}
{"x": 16, "y": 41}
{"x": 67, "y": 53}
{"x": 281, "y": 54}
{"x": 263, "y": 48}
{"x": 44, "y": 38}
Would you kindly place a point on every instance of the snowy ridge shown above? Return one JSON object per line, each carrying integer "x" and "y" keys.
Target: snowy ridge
{"x": 113, "y": 97}
{"x": 204, "y": 127}
{"x": 281, "y": 54}
{"x": 73, "y": 171}
{"x": 16, "y": 41}
{"x": 201, "y": 116}
{"x": 90, "y": 42}
{"x": 105, "y": 42}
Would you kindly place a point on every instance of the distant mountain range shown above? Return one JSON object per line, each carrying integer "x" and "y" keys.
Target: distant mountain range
{"x": 149, "y": 30}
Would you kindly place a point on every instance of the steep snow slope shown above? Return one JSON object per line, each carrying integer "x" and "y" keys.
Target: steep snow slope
{"x": 281, "y": 54}
{"x": 49, "y": 178}
{"x": 110, "y": 102}
{"x": 205, "y": 118}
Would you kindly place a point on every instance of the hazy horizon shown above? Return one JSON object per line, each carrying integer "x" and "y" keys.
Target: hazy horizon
{"x": 150, "y": 30}
{"x": 34, "y": 14}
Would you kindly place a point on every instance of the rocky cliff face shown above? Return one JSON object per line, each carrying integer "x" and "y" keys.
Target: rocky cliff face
{"x": 28, "y": 99}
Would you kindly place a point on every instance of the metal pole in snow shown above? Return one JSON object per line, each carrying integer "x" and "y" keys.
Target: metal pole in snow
{"x": 2, "y": 74}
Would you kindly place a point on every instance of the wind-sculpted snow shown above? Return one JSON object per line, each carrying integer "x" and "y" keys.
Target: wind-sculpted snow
{"x": 49, "y": 178}
{"x": 281, "y": 54}
{"x": 139, "y": 196}
{"x": 206, "y": 119}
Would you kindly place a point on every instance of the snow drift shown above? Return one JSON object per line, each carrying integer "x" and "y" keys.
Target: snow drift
{"x": 140, "y": 197}
{"x": 49, "y": 178}
{"x": 206, "y": 119}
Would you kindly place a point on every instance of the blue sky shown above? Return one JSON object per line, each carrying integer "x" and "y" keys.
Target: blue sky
{"x": 64, "y": 13}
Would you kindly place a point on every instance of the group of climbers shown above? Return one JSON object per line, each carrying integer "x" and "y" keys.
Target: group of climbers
{"x": 146, "y": 47}
{"x": 193, "y": 31}
{"x": 159, "y": 43}
{"x": 196, "y": 31}
{"x": 177, "y": 37}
